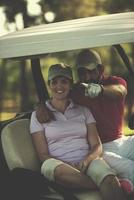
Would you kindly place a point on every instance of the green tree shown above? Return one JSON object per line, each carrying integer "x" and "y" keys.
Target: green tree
{"x": 68, "y": 9}
{"x": 114, "y": 6}
{"x": 12, "y": 8}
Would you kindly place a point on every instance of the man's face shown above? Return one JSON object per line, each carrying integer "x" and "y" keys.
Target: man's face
{"x": 89, "y": 76}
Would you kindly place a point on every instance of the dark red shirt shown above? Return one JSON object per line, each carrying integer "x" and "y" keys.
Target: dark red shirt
{"x": 107, "y": 112}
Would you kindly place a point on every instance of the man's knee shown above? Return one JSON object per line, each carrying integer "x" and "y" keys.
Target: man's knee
{"x": 110, "y": 180}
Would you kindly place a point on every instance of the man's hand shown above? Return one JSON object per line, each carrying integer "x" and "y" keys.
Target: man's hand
{"x": 43, "y": 114}
{"x": 92, "y": 89}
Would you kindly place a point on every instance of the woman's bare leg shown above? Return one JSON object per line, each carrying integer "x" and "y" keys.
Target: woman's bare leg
{"x": 73, "y": 178}
{"x": 110, "y": 189}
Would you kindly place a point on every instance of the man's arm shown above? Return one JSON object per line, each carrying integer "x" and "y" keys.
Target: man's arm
{"x": 43, "y": 114}
{"x": 114, "y": 91}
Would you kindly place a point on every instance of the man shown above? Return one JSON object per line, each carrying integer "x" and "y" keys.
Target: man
{"x": 105, "y": 97}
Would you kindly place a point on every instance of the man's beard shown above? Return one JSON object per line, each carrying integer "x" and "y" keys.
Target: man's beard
{"x": 93, "y": 81}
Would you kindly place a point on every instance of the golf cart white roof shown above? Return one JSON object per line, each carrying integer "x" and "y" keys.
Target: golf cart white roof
{"x": 81, "y": 33}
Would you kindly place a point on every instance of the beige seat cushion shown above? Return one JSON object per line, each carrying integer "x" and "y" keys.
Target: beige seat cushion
{"x": 17, "y": 145}
{"x": 19, "y": 152}
{"x": 89, "y": 195}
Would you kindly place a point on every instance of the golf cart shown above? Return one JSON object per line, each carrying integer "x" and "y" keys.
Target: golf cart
{"x": 17, "y": 150}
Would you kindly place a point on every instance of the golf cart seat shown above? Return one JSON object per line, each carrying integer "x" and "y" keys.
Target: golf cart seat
{"x": 19, "y": 152}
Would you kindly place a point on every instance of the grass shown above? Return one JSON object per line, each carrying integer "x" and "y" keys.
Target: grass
{"x": 6, "y": 116}
{"x": 128, "y": 131}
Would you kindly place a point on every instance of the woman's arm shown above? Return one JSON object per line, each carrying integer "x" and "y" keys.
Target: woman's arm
{"x": 94, "y": 142}
{"x": 95, "y": 145}
{"x": 41, "y": 145}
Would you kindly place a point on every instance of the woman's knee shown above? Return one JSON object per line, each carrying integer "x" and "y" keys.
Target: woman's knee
{"x": 59, "y": 172}
{"x": 110, "y": 180}
{"x": 64, "y": 171}
{"x": 98, "y": 170}
{"x": 48, "y": 168}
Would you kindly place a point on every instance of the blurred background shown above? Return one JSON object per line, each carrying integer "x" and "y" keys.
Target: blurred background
{"x": 17, "y": 89}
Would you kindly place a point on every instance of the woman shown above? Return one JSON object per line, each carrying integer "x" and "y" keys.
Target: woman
{"x": 68, "y": 146}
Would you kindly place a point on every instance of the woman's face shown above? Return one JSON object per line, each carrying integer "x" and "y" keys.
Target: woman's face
{"x": 60, "y": 87}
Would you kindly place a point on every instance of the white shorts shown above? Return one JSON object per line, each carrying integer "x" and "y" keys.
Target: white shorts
{"x": 119, "y": 154}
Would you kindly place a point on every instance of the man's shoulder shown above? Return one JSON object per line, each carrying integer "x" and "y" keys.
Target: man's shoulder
{"x": 78, "y": 88}
{"x": 114, "y": 80}
{"x": 77, "y": 84}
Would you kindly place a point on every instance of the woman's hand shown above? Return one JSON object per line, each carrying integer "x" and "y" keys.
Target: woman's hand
{"x": 81, "y": 166}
